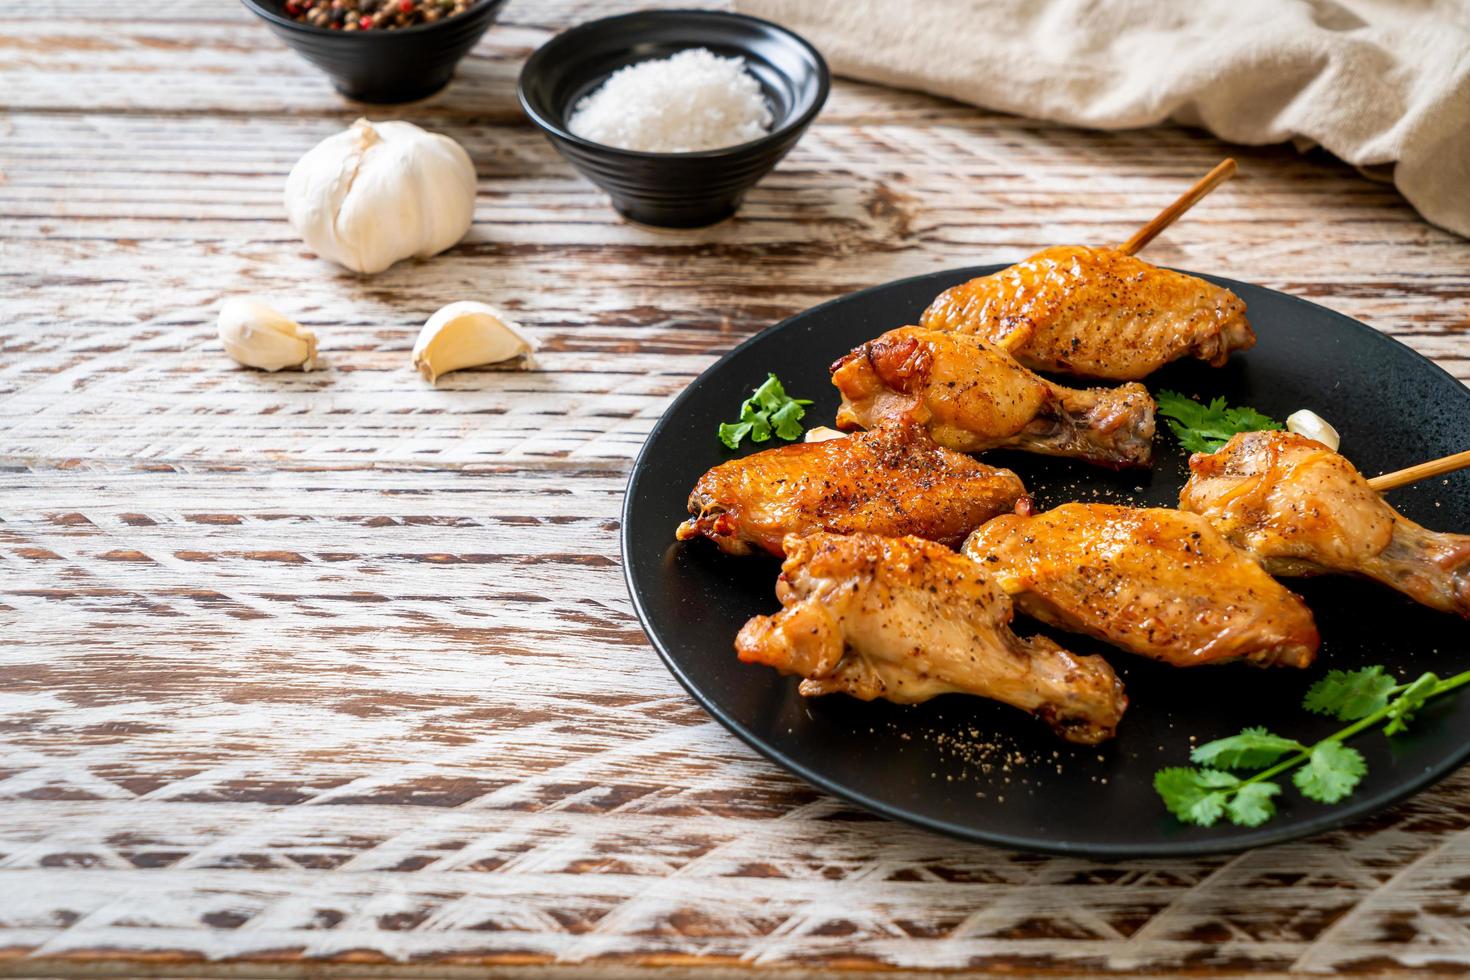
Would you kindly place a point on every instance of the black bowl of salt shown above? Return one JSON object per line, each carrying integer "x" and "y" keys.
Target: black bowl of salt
{"x": 675, "y": 113}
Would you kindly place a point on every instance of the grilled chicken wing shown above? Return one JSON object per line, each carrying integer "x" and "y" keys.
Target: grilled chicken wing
{"x": 906, "y": 620}
{"x": 973, "y": 396}
{"x": 1096, "y": 312}
{"x": 1302, "y": 509}
{"x": 891, "y": 480}
{"x": 1152, "y": 581}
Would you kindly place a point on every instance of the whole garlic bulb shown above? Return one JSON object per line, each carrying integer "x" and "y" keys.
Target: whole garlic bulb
{"x": 380, "y": 192}
{"x": 259, "y": 337}
{"x": 466, "y": 334}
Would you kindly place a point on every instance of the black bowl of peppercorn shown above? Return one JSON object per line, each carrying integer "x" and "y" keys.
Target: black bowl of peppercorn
{"x": 381, "y": 50}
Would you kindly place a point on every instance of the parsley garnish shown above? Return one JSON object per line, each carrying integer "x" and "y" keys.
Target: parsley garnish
{"x": 769, "y": 409}
{"x": 1326, "y": 771}
{"x": 1205, "y": 428}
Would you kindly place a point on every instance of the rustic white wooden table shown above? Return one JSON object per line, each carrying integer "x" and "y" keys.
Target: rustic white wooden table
{"x": 305, "y": 674}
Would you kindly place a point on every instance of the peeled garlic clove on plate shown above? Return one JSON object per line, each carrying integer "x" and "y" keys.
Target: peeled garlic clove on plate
{"x": 466, "y": 334}
{"x": 820, "y": 433}
{"x": 1308, "y": 423}
{"x": 259, "y": 337}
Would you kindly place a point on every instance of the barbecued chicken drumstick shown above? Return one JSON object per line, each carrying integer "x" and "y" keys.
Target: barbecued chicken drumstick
{"x": 891, "y": 480}
{"x": 972, "y": 395}
{"x": 1153, "y": 581}
{"x": 906, "y": 620}
{"x": 1302, "y": 509}
{"x": 1096, "y": 312}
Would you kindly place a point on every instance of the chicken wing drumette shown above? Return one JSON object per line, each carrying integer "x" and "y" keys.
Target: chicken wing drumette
{"x": 1096, "y": 312}
{"x": 1152, "y": 581}
{"x": 891, "y": 480}
{"x": 971, "y": 395}
{"x": 1303, "y": 509}
{"x": 906, "y": 620}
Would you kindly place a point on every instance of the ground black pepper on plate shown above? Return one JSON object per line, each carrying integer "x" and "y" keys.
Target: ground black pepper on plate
{"x": 368, "y": 15}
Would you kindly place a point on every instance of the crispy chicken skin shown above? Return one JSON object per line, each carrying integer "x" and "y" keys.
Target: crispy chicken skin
{"x": 891, "y": 480}
{"x": 906, "y": 620}
{"x": 1096, "y": 312}
{"x": 1303, "y": 509}
{"x": 1157, "y": 582}
{"x": 972, "y": 396}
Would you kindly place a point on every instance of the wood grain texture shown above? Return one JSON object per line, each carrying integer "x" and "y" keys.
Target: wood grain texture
{"x": 336, "y": 672}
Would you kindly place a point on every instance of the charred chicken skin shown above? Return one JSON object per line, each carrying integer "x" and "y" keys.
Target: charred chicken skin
{"x": 907, "y": 620}
{"x": 1096, "y": 312}
{"x": 1302, "y": 509}
{"x": 971, "y": 396}
{"x": 892, "y": 480}
{"x": 1156, "y": 582}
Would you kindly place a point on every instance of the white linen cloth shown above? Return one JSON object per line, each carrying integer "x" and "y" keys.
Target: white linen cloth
{"x": 1375, "y": 82}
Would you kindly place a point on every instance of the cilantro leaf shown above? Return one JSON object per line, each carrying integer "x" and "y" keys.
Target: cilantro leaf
{"x": 1214, "y": 778}
{"x": 1348, "y": 695}
{"x": 1331, "y": 772}
{"x": 1189, "y": 439}
{"x": 1196, "y": 796}
{"x": 768, "y": 409}
{"x": 732, "y": 432}
{"x": 1188, "y": 411}
{"x": 1251, "y": 749}
{"x": 771, "y": 395}
{"x": 1251, "y": 805}
{"x": 787, "y": 420}
{"x": 1401, "y": 712}
{"x": 1205, "y": 428}
{"x": 1247, "y": 419}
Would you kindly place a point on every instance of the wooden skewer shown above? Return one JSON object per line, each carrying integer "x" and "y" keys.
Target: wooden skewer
{"x": 1223, "y": 171}
{"x": 1435, "y": 467}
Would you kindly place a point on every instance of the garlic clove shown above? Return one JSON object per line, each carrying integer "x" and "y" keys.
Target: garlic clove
{"x": 466, "y": 334}
{"x": 259, "y": 337}
{"x": 1308, "y": 423}
{"x": 820, "y": 433}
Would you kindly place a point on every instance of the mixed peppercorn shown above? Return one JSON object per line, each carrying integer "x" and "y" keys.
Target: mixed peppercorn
{"x": 368, "y": 15}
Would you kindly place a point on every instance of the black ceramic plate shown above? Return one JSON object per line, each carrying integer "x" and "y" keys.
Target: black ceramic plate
{"x": 983, "y": 771}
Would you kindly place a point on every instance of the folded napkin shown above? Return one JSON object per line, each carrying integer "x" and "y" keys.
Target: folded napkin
{"x": 1373, "y": 81}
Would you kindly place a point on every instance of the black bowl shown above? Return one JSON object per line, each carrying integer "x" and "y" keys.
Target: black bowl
{"x": 675, "y": 190}
{"x": 385, "y": 65}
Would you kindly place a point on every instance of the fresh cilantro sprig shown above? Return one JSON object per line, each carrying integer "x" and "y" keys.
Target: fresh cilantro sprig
{"x": 1326, "y": 771}
{"x": 769, "y": 409}
{"x": 1205, "y": 428}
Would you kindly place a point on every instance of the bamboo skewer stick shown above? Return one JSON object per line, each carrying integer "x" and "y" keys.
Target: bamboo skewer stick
{"x": 1223, "y": 171}
{"x": 1412, "y": 474}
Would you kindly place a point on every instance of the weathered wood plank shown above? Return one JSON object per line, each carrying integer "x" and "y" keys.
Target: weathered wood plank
{"x": 641, "y": 319}
{"x": 352, "y": 874}
{"x": 334, "y": 669}
{"x": 95, "y": 59}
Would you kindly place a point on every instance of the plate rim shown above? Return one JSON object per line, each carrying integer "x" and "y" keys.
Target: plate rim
{"x": 1340, "y": 815}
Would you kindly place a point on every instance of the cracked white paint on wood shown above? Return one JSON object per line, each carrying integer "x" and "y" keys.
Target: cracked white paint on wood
{"x": 331, "y": 670}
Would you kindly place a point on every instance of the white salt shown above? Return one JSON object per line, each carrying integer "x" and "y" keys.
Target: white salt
{"x": 693, "y": 100}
